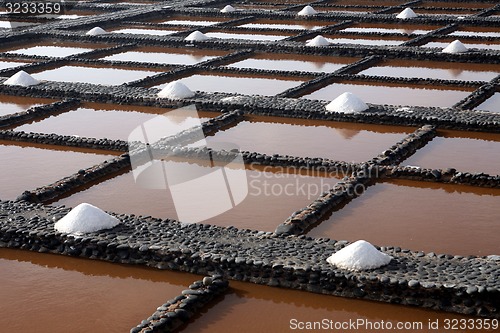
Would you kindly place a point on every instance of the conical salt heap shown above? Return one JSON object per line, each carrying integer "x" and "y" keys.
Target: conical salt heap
{"x": 176, "y": 90}
{"x": 228, "y": 9}
{"x": 85, "y": 218}
{"x": 196, "y": 36}
{"x": 318, "y": 41}
{"x": 455, "y": 47}
{"x": 358, "y": 256}
{"x": 21, "y": 78}
{"x": 96, "y": 31}
{"x": 406, "y": 14}
{"x": 307, "y": 10}
{"x": 347, "y": 103}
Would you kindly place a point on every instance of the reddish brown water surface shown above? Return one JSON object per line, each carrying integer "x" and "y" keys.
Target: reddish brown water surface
{"x": 162, "y": 55}
{"x": 239, "y": 83}
{"x": 386, "y": 3}
{"x": 491, "y": 104}
{"x": 48, "y": 293}
{"x": 108, "y": 121}
{"x": 391, "y": 93}
{"x": 95, "y": 75}
{"x": 464, "y": 151}
{"x": 441, "y": 218}
{"x": 435, "y": 70}
{"x": 391, "y": 28}
{"x": 254, "y": 308}
{"x": 26, "y": 167}
{"x": 273, "y": 194}
{"x": 13, "y": 104}
{"x": 341, "y": 141}
{"x": 293, "y": 62}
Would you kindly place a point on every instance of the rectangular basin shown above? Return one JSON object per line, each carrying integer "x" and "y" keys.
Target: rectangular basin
{"x": 29, "y": 166}
{"x": 282, "y": 24}
{"x": 470, "y": 44}
{"x": 434, "y": 70}
{"x": 491, "y": 104}
{"x": 109, "y": 76}
{"x": 365, "y": 40}
{"x": 294, "y": 62}
{"x": 192, "y": 20}
{"x": 144, "y": 31}
{"x": 239, "y": 83}
{"x": 14, "y": 104}
{"x": 108, "y": 121}
{"x": 395, "y": 94}
{"x": 261, "y": 201}
{"x": 76, "y": 295}
{"x": 421, "y": 216}
{"x": 173, "y": 56}
{"x": 348, "y": 142}
{"x": 53, "y": 49}
{"x": 4, "y": 64}
{"x": 260, "y": 36}
{"x": 464, "y": 151}
{"x": 394, "y": 28}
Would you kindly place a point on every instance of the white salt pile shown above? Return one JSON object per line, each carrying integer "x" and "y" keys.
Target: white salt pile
{"x": 21, "y": 78}
{"x": 347, "y": 103}
{"x": 359, "y": 256}
{"x": 196, "y": 36}
{"x": 406, "y": 14}
{"x": 307, "y": 10}
{"x": 85, "y": 218}
{"x": 228, "y": 9}
{"x": 455, "y": 47}
{"x": 318, "y": 41}
{"x": 175, "y": 90}
{"x": 96, "y": 31}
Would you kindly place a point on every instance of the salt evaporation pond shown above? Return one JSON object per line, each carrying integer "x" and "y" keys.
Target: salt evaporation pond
{"x": 65, "y": 294}
{"x": 430, "y": 217}
{"x": 95, "y": 75}
{"x": 249, "y": 308}
{"x": 264, "y": 208}
{"x": 349, "y": 142}
{"x": 464, "y": 151}
{"x": 491, "y": 104}
{"x": 28, "y": 166}
{"x": 107, "y": 121}
{"x": 13, "y": 104}
{"x": 173, "y": 56}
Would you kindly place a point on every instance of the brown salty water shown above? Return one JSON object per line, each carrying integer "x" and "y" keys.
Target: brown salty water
{"x": 239, "y": 83}
{"x": 254, "y": 308}
{"x": 95, "y": 75}
{"x": 395, "y": 94}
{"x": 26, "y": 167}
{"x": 464, "y": 151}
{"x": 421, "y": 216}
{"x": 435, "y": 70}
{"x": 366, "y": 40}
{"x": 108, "y": 121}
{"x": 273, "y": 195}
{"x": 190, "y": 20}
{"x": 163, "y": 55}
{"x": 14, "y": 104}
{"x": 294, "y": 62}
{"x": 47, "y": 293}
{"x": 339, "y": 141}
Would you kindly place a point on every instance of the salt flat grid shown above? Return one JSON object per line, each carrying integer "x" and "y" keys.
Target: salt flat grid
{"x": 138, "y": 17}
{"x": 222, "y": 68}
